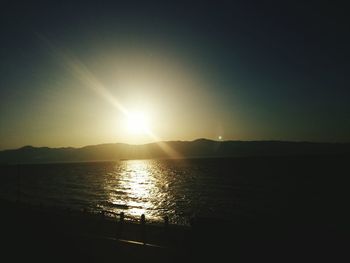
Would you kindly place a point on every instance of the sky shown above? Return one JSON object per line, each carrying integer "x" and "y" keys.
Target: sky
{"x": 77, "y": 73}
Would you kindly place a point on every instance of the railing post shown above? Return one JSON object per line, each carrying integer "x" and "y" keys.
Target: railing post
{"x": 120, "y": 225}
{"x": 166, "y": 221}
{"x": 121, "y": 217}
{"x": 166, "y": 237}
{"x": 143, "y": 230}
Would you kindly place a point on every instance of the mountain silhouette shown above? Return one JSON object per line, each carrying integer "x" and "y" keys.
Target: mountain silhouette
{"x": 200, "y": 148}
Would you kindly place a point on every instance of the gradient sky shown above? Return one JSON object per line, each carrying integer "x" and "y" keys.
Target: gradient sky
{"x": 243, "y": 70}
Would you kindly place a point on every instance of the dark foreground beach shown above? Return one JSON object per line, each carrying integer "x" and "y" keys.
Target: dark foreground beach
{"x": 38, "y": 234}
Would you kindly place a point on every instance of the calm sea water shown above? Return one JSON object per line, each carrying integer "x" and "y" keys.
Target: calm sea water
{"x": 220, "y": 188}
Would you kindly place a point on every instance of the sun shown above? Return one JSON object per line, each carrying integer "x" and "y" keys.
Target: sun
{"x": 137, "y": 122}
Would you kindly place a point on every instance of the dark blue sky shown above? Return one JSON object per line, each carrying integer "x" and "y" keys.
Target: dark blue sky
{"x": 243, "y": 70}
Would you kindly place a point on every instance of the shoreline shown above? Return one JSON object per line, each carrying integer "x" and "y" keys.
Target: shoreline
{"x": 80, "y": 222}
{"x": 48, "y": 235}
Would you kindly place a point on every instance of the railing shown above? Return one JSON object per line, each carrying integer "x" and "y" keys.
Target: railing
{"x": 102, "y": 224}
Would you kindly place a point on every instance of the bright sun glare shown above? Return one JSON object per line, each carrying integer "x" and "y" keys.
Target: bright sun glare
{"x": 137, "y": 122}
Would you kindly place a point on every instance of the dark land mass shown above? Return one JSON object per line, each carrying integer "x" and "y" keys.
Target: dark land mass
{"x": 305, "y": 222}
{"x": 201, "y": 148}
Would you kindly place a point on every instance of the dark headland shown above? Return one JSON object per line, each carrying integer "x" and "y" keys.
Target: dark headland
{"x": 200, "y": 148}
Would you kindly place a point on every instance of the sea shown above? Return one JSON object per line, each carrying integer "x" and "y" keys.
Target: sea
{"x": 220, "y": 188}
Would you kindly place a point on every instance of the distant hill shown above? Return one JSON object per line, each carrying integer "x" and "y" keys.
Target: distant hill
{"x": 201, "y": 148}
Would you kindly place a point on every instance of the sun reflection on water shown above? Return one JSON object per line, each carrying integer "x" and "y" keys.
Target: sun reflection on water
{"x": 135, "y": 188}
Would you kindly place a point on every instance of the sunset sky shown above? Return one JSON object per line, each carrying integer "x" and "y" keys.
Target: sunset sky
{"x": 75, "y": 74}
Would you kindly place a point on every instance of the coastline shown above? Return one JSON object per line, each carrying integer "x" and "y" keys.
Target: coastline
{"x": 45, "y": 234}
